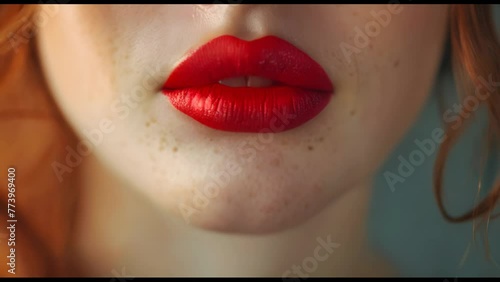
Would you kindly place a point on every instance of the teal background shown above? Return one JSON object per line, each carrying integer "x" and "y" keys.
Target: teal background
{"x": 406, "y": 225}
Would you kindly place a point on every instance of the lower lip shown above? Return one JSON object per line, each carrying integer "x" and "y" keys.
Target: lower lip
{"x": 249, "y": 109}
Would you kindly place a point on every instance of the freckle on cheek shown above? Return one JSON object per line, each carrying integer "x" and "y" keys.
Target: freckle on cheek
{"x": 320, "y": 139}
{"x": 163, "y": 143}
{"x": 150, "y": 122}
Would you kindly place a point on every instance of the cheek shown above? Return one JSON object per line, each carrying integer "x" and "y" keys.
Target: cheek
{"x": 99, "y": 49}
{"x": 383, "y": 59}
{"x": 396, "y": 71}
{"x": 77, "y": 70}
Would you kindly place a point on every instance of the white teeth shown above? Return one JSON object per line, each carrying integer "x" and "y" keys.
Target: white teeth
{"x": 244, "y": 81}
{"x": 256, "y": 81}
{"x": 234, "y": 81}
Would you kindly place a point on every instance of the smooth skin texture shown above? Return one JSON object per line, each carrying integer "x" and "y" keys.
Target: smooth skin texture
{"x": 165, "y": 195}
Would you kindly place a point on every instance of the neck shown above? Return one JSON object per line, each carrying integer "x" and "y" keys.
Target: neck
{"x": 124, "y": 235}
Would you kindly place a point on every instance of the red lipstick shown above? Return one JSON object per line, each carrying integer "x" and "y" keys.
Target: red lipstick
{"x": 217, "y": 85}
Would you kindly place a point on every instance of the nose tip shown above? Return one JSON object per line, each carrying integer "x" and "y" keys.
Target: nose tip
{"x": 245, "y": 21}
{"x": 251, "y": 21}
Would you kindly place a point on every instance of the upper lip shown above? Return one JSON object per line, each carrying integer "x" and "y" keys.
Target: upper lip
{"x": 285, "y": 64}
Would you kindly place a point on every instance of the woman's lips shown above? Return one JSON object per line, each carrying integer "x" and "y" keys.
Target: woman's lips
{"x": 249, "y": 86}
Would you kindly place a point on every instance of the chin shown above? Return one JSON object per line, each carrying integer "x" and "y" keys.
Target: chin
{"x": 254, "y": 210}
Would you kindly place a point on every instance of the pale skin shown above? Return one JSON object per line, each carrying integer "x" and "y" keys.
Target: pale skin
{"x": 141, "y": 204}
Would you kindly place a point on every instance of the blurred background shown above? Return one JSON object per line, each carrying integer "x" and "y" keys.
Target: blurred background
{"x": 405, "y": 222}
